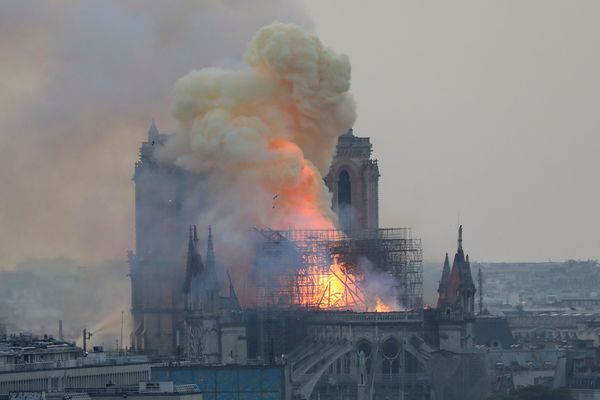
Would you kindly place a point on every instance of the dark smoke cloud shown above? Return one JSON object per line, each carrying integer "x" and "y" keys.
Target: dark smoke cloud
{"x": 79, "y": 84}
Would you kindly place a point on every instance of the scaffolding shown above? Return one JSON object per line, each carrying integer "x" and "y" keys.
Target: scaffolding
{"x": 328, "y": 269}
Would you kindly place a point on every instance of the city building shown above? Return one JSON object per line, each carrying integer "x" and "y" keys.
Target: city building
{"x": 31, "y": 364}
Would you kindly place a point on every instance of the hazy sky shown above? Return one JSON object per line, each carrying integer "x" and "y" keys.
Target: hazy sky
{"x": 490, "y": 109}
{"x": 487, "y": 109}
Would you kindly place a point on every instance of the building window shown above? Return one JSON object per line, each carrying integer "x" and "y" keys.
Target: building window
{"x": 344, "y": 198}
{"x": 391, "y": 352}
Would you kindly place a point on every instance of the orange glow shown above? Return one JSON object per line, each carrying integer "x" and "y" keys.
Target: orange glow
{"x": 301, "y": 197}
{"x": 332, "y": 288}
{"x": 299, "y": 200}
{"x": 380, "y": 306}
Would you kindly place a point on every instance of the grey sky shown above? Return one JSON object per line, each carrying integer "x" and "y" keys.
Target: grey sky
{"x": 489, "y": 109}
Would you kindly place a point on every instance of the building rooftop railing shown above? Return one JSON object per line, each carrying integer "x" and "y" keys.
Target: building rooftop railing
{"x": 332, "y": 317}
{"x": 76, "y": 363}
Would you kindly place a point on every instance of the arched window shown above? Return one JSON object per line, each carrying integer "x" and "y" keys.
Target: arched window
{"x": 391, "y": 357}
{"x": 344, "y": 197}
{"x": 344, "y": 188}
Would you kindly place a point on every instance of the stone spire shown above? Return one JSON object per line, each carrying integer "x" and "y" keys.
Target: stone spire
{"x": 194, "y": 265}
{"x": 210, "y": 252}
{"x": 153, "y": 132}
{"x": 443, "y": 287}
{"x": 467, "y": 276}
{"x": 445, "y": 271}
{"x": 456, "y": 288}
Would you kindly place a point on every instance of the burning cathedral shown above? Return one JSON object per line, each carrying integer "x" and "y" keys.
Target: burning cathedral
{"x": 314, "y": 307}
{"x": 258, "y": 239}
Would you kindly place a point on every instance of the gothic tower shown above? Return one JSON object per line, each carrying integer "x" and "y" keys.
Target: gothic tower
{"x": 443, "y": 286}
{"x": 214, "y": 325}
{"x": 156, "y": 307}
{"x": 456, "y": 289}
{"x": 166, "y": 198}
{"x": 353, "y": 180}
{"x": 201, "y": 292}
{"x": 456, "y": 301}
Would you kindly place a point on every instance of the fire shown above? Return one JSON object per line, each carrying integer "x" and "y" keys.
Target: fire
{"x": 263, "y": 136}
{"x": 380, "y": 306}
{"x": 300, "y": 197}
{"x": 334, "y": 288}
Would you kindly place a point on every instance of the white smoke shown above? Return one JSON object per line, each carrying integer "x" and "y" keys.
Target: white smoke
{"x": 264, "y": 135}
{"x": 379, "y": 285}
{"x": 80, "y": 83}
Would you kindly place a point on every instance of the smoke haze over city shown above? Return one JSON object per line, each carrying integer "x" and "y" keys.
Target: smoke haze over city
{"x": 445, "y": 100}
{"x": 299, "y": 199}
{"x": 478, "y": 115}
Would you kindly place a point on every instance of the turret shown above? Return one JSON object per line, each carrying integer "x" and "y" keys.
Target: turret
{"x": 194, "y": 265}
{"x": 457, "y": 290}
{"x": 443, "y": 286}
{"x": 210, "y": 252}
{"x": 153, "y": 133}
{"x": 466, "y": 286}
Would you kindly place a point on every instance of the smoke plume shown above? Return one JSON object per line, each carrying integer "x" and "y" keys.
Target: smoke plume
{"x": 264, "y": 135}
{"x": 80, "y": 83}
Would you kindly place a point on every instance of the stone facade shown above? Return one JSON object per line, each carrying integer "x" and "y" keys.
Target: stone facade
{"x": 353, "y": 180}
{"x": 214, "y": 325}
{"x": 456, "y": 301}
{"x": 168, "y": 198}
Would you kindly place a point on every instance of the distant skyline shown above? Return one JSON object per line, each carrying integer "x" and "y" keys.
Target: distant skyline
{"x": 487, "y": 110}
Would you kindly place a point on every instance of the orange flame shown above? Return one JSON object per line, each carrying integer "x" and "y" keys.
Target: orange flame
{"x": 333, "y": 288}
{"x": 380, "y": 306}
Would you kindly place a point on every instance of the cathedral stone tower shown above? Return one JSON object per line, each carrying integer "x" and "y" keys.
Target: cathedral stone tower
{"x": 156, "y": 307}
{"x": 166, "y": 199}
{"x": 353, "y": 180}
{"x": 456, "y": 301}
